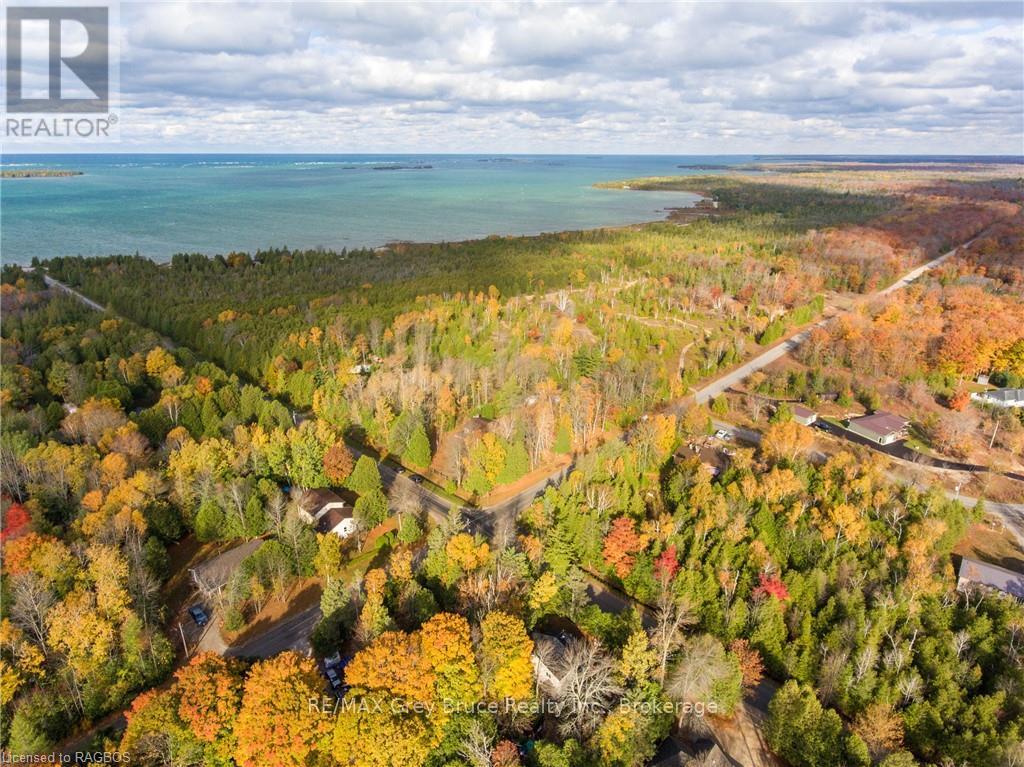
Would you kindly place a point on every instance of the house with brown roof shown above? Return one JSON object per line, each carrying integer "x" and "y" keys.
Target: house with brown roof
{"x": 881, "y": 427}
{"x": 327, "y": 511}
{"x": 803, "y": 415}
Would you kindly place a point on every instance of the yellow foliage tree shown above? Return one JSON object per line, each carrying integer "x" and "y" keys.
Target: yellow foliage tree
{"x": 505, "y": 650}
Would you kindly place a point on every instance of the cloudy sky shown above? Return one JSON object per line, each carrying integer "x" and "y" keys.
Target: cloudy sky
{"x": 680, "y": 78}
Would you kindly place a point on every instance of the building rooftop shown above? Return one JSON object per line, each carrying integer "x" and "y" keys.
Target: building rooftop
{"x": 333, "y": 518}
{"x": 803, "y": 412}
{"x": 996, "y": 577}
{"x": 214, "y": 573}
{"x": 313, "y": 500}
{"x": 1002, "y": 395}
{"x": 881, "y": 423}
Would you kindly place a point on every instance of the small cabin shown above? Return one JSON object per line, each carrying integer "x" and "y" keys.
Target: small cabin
{"x": 803, "y": 415}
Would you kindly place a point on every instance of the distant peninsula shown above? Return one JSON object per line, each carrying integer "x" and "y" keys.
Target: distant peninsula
{"x": 39, "y": 173}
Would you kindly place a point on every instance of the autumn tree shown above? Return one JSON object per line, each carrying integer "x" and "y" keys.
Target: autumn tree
{"x": 881, "y": 728}
{"x": 639, "y": 660}
{"x": 338, "y": 463}
{"x": 209, "y": 690}
{"x": 434, "y": 665}
{"x": 786, "y": 440}
{"x": 505, "y": 650}
{"x": 750, "y": 663}
{"x": 621, "y": 546}
{"x": 156, "y": 735}
{"x": 273, "y": 726}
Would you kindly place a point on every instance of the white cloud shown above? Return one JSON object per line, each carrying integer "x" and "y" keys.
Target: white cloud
{"x": 608, "y": 77}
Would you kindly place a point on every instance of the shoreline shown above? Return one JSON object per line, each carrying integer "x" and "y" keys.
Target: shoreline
{"x": 678, "y": 214}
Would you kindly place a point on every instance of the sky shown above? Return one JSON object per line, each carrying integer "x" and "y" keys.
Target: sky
{"x": 610, "y": 77}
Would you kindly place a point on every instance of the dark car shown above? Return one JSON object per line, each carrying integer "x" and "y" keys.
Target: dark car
{"x": 416, "y": 478}
{"x": 333, "y": 678}
{"x": 199, "y": 615}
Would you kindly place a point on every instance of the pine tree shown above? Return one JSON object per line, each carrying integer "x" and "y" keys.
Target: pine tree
{"x": 372, "y": 508}
{"x": 417, "y": 453}
{"x": 365, "y": 477}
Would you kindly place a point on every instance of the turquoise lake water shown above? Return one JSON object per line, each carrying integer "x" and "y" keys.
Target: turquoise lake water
{"x": 158, "y": 205}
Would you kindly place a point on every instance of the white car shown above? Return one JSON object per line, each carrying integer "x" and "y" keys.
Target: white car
{"x": 722, "y": 434}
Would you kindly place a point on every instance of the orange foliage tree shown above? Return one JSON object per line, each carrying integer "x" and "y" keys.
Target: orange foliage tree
{"x": 274, "y": 728}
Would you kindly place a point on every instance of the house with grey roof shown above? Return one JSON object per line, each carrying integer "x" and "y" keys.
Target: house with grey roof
{"x": 974, "y": 572}
{"x": 1000, "y": 397}
{"x": 881, "y": 427}
{"x": 213, "y": 575}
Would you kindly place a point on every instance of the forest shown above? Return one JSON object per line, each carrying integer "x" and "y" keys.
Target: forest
{"x": 478, "y": 363}
{"x": 215, "y": 391}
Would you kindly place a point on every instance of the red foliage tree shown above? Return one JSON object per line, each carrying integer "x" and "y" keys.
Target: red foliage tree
{"x": 772, "y": 585}
{"x": 959, "y": 400}
{"x": 16, "y": 522}
{"x": 666, "y": 565}
{"x": 621, "y": 546}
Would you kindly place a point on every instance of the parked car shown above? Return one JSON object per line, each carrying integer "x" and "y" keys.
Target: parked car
{"x": 416, "y": 478}
{"x": 199, "y": 615}
{"x": 332, "y": 661}
{"x": 334, "y": 679}
{"x": 722, "y": 434}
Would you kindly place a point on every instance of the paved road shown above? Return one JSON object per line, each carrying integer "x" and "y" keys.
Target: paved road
{"x": 766, "y": 358}
{"x": 290, "y": 634}
{"x": 762, "y": 360}
{"x": 497, "y": 520}
{"x": 52, "y": 283}
{"x": 1011, "y": 514}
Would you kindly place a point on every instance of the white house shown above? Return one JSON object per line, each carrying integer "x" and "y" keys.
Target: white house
{"x": 328, "y": 512}
{"x": 803, "y": 415}
{"x": 1000, "y": 397}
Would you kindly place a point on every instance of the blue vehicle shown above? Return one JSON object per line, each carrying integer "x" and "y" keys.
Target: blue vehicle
{"x": 199, "y": 615}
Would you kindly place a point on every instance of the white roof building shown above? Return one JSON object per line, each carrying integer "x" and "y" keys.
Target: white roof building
{"x": 1000, "y": 397}
{"x": 973, "y": 571}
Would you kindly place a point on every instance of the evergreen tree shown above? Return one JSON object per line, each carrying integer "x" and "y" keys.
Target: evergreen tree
{"x": 209, "y": 522}
{"x": 801, "y": 731}
{"x": 417, "y": 453}
{"x": 371, "y": 508}
{"x": 365, "y": 477}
